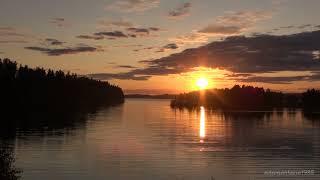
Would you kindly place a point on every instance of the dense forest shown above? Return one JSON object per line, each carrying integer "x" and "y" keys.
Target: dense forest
{"x": 25, "y": 89}
{"x": 247, "y": 98}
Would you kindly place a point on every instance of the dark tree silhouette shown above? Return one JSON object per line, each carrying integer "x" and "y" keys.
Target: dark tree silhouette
{"x": 311, "y": 100}
{"x": 247, "y": 98}
{"x": 39, "y": 90}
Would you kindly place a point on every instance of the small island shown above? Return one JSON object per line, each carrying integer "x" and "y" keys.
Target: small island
{"x": 247, "y": 98}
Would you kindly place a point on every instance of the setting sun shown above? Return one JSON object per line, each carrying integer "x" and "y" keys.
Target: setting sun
{"x": 202, "y": 83}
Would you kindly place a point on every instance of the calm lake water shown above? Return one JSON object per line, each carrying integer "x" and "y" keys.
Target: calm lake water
{"x": 146, "y": 139}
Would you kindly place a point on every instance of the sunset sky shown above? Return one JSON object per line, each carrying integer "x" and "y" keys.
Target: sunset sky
{"x": 164, "y": 46}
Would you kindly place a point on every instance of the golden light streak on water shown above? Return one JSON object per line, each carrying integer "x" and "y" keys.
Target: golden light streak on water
{"x": 202, "y": 132}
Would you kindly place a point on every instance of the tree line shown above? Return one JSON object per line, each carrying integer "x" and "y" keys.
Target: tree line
{"x": 39, "y": 90}
{"x": 247, "y": 98}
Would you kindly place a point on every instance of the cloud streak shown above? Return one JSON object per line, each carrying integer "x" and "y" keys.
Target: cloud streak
{"x": 126, "y": 66}
{"x": 63, "y": 51}
{"x": 133, "y": 5}
{"x": 130, "y": 32}
{"x": 10, "y": 35}
{"x": 90, "y": 37}
{"x": 111, "y": 34}
{"x": 54, "y": 42}
{"x": 281, "y": 79}
{"x": 59, "y": 22}
{"x": 115, "y": 23}
{"x": 169, "y": 46}
{"x": 119, "y": 76}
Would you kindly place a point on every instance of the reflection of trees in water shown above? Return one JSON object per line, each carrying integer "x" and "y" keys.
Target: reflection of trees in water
{"x": 7, "y": 169}
{"x": 246, "y": 115}
{"x": 43, "y": 124}
{"x": 266, "y": 134}
{"x": 313, "y": 117}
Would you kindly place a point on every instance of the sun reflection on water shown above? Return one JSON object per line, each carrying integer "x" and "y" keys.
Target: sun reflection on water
{"x": 202, "y": 131}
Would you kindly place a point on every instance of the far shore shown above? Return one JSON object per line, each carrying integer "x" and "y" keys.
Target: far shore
{"x": 148, "y": 96}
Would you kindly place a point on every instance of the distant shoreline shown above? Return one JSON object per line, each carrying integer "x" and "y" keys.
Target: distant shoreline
{"x": 146, "y": 96}
{"x": 248, "y": 98}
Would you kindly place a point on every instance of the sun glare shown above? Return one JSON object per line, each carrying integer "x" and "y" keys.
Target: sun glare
{"x": 202, "y": 83}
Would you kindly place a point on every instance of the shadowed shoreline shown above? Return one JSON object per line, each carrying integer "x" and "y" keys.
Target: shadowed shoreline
{"x": 38, "y": 90}
{"x": 247, "y": 98}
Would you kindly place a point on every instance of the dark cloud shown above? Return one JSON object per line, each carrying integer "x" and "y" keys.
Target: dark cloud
{"x": 192, "y": 38}
{"x": 58, "y": 19}
{"x": 287, "y": 27}
{"x": 126, "y": 66}
{"x": 54, "y": 42}
{"x": 13, "y": 41}
{"x": 281, "y": 80}
{"x": 236, "y": 75}
{"x": 128, "y": 45}
{"x": 90, "y": 37}
{"x": 139, "y": 30}
{"x": 59, "y": 22}
{"x": 133, "y": 5}
{"x": 136, "y": 74}
{"x": 273, "y": 80}
{"x": 169, "y": 46}
{"x": 154, "y": 29}
{"x": 116, "y": 23}
{"x": 296, "y": 27}
{"x": 112, "y": 34}
{"x": 182, "y": 11}
{"x": 151, "y": 70}
{"x": 304, "y": 26}
{"x": 64, "y": 51}
{"x": 132, "y": 32}
{"x": 145, "y": 48}
{"x": 120, "y": 76}
{"x": 221, "y": 29}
